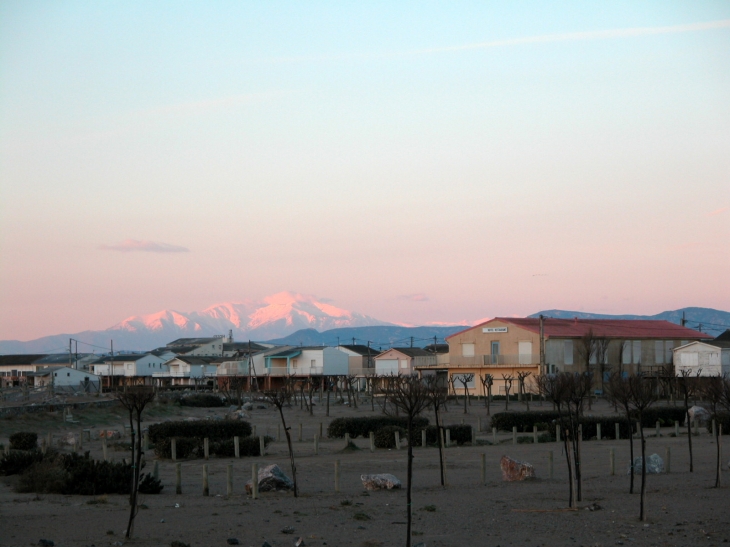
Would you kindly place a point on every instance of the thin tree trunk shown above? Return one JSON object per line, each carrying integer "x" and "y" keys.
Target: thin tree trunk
{"x": 689, "y": 434}
{"x": 631, "y": 452}
{"x": 291, "y": 451}
{"x": 441, "y": 449}
{"x": 409, "y": 479}
{"x": 571, "y": 480}
{"x": 642, "y": 513}
{"x": 718, "y": 470}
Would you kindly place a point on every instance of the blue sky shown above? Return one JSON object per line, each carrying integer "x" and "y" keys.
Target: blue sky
{"x": 495, "y": 158}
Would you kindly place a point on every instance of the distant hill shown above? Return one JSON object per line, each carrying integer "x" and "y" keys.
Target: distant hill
{"x": 380, "y": 337}
{"x": 713, "y": 322}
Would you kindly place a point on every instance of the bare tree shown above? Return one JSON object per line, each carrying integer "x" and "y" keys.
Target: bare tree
{"x": 713, "y": 391}
{"x": 620, "y": 395}
{"x": 642, "y": 394}
{"x": 232, "y": 388}
{"x": 487, "y": 383}
{"x": 438, "y": 394}
{"x": 579, "y": 387}
{"x": 352, "y": 380}
{"x": 602, "y": 358}
{"x": 464, "y": 379}
{"x": 587, "y": 352}
{"x": 135, "y": 400}
{"x": 688, "y": 385}
{"x": 521, "y": 386}
{"x": 279, "y": 398}
{"x": 411, "y": 396}
{"x": 507, "y": 387}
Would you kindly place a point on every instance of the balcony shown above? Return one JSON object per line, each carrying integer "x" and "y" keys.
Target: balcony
{"x": 507, "y": 360}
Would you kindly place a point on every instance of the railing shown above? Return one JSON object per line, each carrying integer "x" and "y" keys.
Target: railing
{"x": 275, "y": 371}
{"x": 507, "y": 360}
{"x": 361, "y": 371}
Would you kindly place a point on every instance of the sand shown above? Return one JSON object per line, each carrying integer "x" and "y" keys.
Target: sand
{"x": 683, "y": 508}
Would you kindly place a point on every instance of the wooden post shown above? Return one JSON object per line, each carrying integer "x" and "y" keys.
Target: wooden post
{"x": 320, "y": 430}
{"x": 557, "y": 433}
{"x": 612, "y": 461}
{"x": 658, "y": 429}
{"x": 300, "y": 431}
{"x": 668, "y": 459}
{"x": 397, "y": 440}
{"x": 146, "y": 442}
{"x": 423, "y": 438}
{"x": 347, "y": 439}
{"x": 236, "y": 447}
{"x": 598, "y": 431}
{"x": 173, "y": 448}
{"x": 206, "y": 491}
{"x": 617, "y": 427}
{"x": 494, "y": 435}
{"x": 372, "y": 442}
{"x": 316, "y": 444}
{"x": 514, "y": 434}
{"x": 484, "y": 468}
{"x": 44, "y": 448}
{"x": 638, "y": 427}
{"x": 337, "y": 475}
{"x": 253, "y": 432}
{"x": 50, "y": 439}
{"x": 676, "y": 428}
{"x": 448, "y": 438}
{"x": 254, "y": 481}
{"x": 534, "y": 434}
{"x": 206, "y": 452}
{"x": 262, "y": 446}
{"x": 156, "y": 470}
{"x": 103, "y": 447}
{"x": 229, "y": 479}
{"x": 178, "y": 478}
{"x": 550, "y": 464}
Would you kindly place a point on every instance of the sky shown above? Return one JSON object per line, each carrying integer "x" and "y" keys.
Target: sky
{"x": 417, "y": 162}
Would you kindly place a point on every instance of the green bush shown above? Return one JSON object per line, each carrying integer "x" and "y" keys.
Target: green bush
{"x": 212, "y": 429}
{"x": 723, "y": 420}
{"x": 14, "y": 463}
{"x": 362, "y": 426}
{"x": 205, "y": 400}
{"x": 192, "y": 447}
{"x": 74, "y": 474}
{"x": 24, "y": 440}
{"x": 459, "y": 434}
{"x": 385, "y": 436}
{"x": 524, "y": 421}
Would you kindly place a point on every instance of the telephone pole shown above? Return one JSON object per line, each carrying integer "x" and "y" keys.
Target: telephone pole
{"x": 542, "y": 344}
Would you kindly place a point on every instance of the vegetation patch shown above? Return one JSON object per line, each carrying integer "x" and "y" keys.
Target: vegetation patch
{"x": 361, "y": 426}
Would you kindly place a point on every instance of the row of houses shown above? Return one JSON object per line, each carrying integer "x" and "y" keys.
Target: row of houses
{"x": 501, "y": 349}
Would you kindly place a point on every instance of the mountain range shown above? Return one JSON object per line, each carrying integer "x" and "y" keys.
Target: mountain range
{"x": 296, "y": 319}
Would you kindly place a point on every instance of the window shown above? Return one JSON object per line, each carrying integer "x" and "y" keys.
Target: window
{"x": 626, "y": 353}
{"x": 668, "y": 346}
{"x": 467, "y": 350}
{"x": 404, "y": 363}
{"x": 313, "y": 363}
{"x": 68, "y": 374}
{"x": 659, "y": 352}
{"x": 568, "y": 352}
{"x": 636, "y": 352}
{"x": 525, "y": 352}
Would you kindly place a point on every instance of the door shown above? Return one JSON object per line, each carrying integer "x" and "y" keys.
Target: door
{"x": 495, "y": 352}
{"x": 525, "y": 351}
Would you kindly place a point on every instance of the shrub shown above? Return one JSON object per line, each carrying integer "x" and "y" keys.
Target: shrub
{"x": 720, "y": 420}
{"x": 459, "y": 434}
{"x": 192, "y": 447}
{"x": 24, "y": 440}
{"x": 362, "y": 426}
{"x": 43, "y": 477}
{"x": 214, "y": 430}
{"x": 206, "y": 400}
{"x": 385, "y": 436}
{"x": 14, "y": 463}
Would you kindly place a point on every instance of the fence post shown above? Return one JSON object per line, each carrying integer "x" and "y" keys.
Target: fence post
{"x": 557, "y": 433}
{"x": 534, "y": 434}
{"x": 612, "y": 460}
{"x": 372, "y": 442}
{"x": 320, "y": 430}
{"x": 146, "y": 442}
{"x": 103, "y": 447}
{"x": 598, "y": 431}
{"x": 514, "y": 434}
{"x": 262, "y": 446}
{"x": 617, "y": 427}
{"x": 494, "y": 435}
{"x": 658, "y": 429}
{"x": 253, "y": 432}
{"x": 173, "y": 448}
{"x": 236, "y": 447}
{"x": 668, "y": 459}
{"x": 347, "y": 439}
{"x": 397, "y": 441}
{"x": 448, "y": 438}
{"x": 300, "y": 431}
{"x": 254, "y": 481}
{"x": 638, "y": 426}
{"x": 337, "y": 475}
{"x": 550, "y": 464}
{"x": 423, "y": 438}
{"x": 229, "y": 479}
{"x": 178, "y": 478}
{"x": 206, "y": 491}
{"x": 676, "y": 428}
{"x": 206, "y": 449}
{"x": 316, "y": 444}
{"x": 484, "y": 468}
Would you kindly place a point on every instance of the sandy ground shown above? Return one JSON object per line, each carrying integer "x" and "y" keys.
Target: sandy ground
{"x": 683, "y": 508}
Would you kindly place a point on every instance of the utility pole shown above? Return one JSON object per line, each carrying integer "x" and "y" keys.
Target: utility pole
{"x": 76, "y": 354}
{"x": 411, "y": 341}
{"x": 684, "y": 321}
{"x": 111, "y": 367}
{"x": 542, "y": 344}
{"x": 70, "y": 354}
{"x": 353, "y": 340}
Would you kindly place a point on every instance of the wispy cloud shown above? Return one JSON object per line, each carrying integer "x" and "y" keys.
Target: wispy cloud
{"x": 130, "y": 245}
{"x": 416, "y": 297}
{"x": 718, "y": 211}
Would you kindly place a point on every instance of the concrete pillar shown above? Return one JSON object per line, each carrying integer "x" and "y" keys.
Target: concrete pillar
{"x": 236, "y": 447}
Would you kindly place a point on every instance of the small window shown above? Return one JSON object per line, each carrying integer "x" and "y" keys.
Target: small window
{"x": 636, "y": 352}
{"x": 467, "y": 350}
{"x": 313, "y": 363}
{"x": 68, "y": 374}
{"x": 659, "y": 352}
{"x": 568, "y": 352}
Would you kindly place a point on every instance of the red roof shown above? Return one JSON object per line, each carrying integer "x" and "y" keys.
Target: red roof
{"x": 603, "y": 328}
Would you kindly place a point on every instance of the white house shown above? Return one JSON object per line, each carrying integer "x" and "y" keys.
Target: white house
{"x": 704, "y": 358}
{"x": 402, "y": 361}
{"x": 67, "y": 379}
{"x": 186, "y": 370}
{"x": 307, "y": 361}
{"x": 123, "y": 368}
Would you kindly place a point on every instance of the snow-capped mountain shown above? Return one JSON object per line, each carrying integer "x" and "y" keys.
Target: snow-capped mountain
{"x": 276, "y": 316}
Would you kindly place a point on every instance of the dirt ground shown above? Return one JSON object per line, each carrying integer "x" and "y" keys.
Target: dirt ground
{"x": 683, "y": 508}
